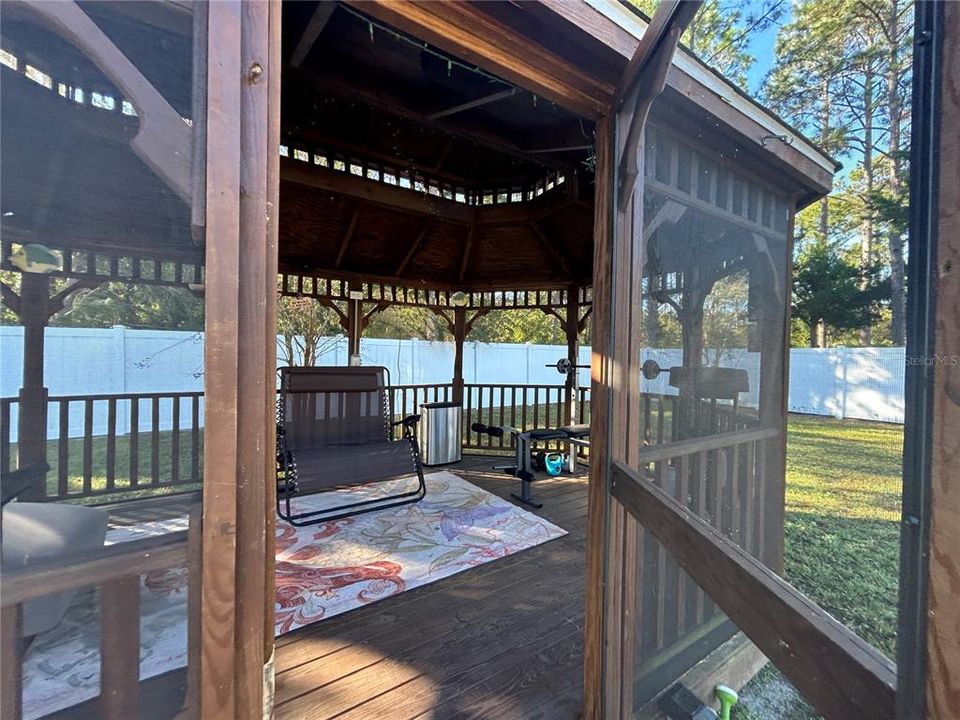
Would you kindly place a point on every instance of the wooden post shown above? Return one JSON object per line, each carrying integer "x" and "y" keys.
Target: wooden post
{"x": 459, "y": 335}
{"x": 120, "y": 648}
{"x": 11, "y": 662}
{"x": 773, "y": 316}
{"x": 354, "y": 330}
{"x": 943, "y": 610}
{"x": 220, "y": 631}
{"x": 571, "y": 329}
{"x": 613, "y": 538}
{"x": 259, "y": 135}
{"x": 32, "y": 423}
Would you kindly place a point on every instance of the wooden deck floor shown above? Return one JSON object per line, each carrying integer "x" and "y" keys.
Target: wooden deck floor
{"x": 503, "y": 640}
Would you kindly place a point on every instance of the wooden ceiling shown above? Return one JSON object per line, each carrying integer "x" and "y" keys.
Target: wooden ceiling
{"x": 354, "y": 89}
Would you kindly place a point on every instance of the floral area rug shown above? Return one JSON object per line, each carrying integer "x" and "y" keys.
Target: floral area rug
{"x": 323, "y": 570}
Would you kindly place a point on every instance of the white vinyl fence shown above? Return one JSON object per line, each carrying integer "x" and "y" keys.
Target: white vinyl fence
{"x": 865, "y": 383}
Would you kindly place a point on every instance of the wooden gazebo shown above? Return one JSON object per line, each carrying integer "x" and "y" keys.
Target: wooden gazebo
{"x": 462, "y": 157}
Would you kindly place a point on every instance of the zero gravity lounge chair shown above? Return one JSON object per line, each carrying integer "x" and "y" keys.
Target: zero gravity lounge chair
{"x": 334, "y": 431}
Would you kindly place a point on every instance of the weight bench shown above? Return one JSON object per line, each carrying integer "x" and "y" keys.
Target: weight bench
{"x": 522, "y": 468}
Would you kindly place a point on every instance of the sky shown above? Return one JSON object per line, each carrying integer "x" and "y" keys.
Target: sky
{"x": 761, "y": 47}
{"x": 760, "y": 42}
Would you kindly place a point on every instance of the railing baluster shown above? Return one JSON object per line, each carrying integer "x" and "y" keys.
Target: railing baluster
{"x": 736, "y": 533}
{"x": 175, "y": 442}
{"x": 523, "y": 412}
{"x": 683, "y": 580}
{"x": 87, "y": 446}
{"x": 134, "y": 442}
{"x": 749, "y": 507}
{"x": 468, "y": 419}
{"x": 5, "y": 435}
{"x": 63, "y": 450}
{"x": 536, "y": 407}
{"x": 195, "y": 439}
{"x": 660, "y": 413}
{"x": 155, "y": 441}
{"x": 111, "y": 443}
{"x": 503, "y": 413}
{"x": 489, "y": 439}
{"x": 699, "y": 507}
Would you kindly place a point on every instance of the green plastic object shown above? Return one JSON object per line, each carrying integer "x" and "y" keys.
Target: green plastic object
{"x": 728, "y": 698}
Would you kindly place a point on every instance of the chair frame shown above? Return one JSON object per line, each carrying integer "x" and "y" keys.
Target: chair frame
{"x": 288, "y": 488}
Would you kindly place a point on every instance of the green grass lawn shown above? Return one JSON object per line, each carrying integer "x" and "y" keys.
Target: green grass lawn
{"x": 842, "y": 538}
{"x": 163, "y": 473}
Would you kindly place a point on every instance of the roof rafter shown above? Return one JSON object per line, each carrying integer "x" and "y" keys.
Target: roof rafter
{"x": 347, "y": 237}
{"x": 414, "y": 246}
{"x": 311, "y": 33}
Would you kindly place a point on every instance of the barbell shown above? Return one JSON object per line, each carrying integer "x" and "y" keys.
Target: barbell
{"x": 564, "y": 366}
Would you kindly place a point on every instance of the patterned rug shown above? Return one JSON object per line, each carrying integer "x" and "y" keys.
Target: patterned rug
{"x": 322, "y": 571}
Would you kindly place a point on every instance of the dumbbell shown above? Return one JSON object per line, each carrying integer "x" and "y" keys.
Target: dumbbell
{"x": 490, "y": 430}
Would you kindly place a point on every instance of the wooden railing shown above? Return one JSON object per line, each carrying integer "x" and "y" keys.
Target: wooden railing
{"x": 406, "y": 399}
{"x": 108, "y": 445}
{"x": 114, "y": 447}
{"x": 115, "y": 570}
{"x": 725, "y": 576}
{"x": 525, "y": 407}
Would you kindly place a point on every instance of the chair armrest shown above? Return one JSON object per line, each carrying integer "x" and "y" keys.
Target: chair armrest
{"x": 408, "y": 422}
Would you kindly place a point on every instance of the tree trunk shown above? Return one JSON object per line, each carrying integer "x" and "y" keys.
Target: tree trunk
{"x": 866, "y": 239}
{"x": 898, "y": 298}
{"x": 823, "y": 224}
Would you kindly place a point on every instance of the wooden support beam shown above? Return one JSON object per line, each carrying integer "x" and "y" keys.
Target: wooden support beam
{"x": 467, "y": 250}
{"x": 11, "y": 299}
{"x": 473, "y": 319}
{"x": 218, "y": 611}
{"x": 598, "y": 503}
{"x": 341, "y": 315}
{"x": 65, "y": 297}
{"x": 644, "y": 79}
{"x": 571, "y": 329}
{"x": 394, "y": 104}
{"x": 655, "y": 34}
{"x": 414, "y": 246}
{"x": 347, "y": 237}
{"x": 163, "y": 141}
{"x": 354, "y": 330}
{"x": 459, "y": 335}
{"x": 554, "y": 253}
{"x": 442, "y": 314}
{"x": 713, "y": 97}
{"x": 835, "y": 670}
{"x": 582, "y": 323}
{"x": 444, "y": 154}
{"x": 479, "y": 102}
{"x": 396, "y": 198}
{"x": 942, "y": 611}
{"x": 368, "y": 315}
{"x": 32, "y": 422}
{"x": 469, "y": 33}
{"x": 311, "y": 33}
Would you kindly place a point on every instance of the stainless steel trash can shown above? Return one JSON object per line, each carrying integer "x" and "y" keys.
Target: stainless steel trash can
{"x": 438, "y": 433}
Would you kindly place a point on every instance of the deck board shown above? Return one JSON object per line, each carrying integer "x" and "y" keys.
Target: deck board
{"x": 503, "y": 640}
